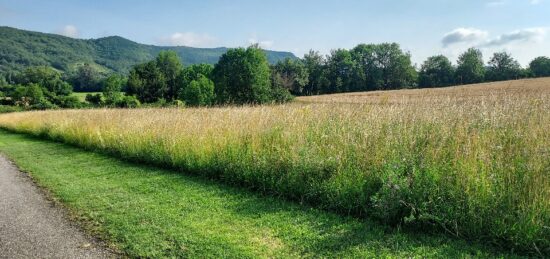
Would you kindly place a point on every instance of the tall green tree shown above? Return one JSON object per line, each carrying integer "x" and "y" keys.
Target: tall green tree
{"x": 315, "y": 65}
{"x": 194, "y": 72}
{"x": 86, "y": 79}
{"x": 340, "y": 71}
{"x": 502, "y": 66}
{"x": 147, "y": 83}
{"x": 199, "y": 92}
{"x": 112, "y": 89}
{"x": 540, "y": 67}
{"x": 243, "y": 76}
{"x": 436, "y": 71}
{"x": 382, "y": 66}
{"x": 470, "y": 69}
{"x": 293, "y": 74}
{"x": 170, "y": 66}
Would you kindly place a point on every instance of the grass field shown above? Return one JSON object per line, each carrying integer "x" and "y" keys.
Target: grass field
{"x": 82, "y": 95}
{"x": 471, "y": 161}
{"x": 144, "y": 211}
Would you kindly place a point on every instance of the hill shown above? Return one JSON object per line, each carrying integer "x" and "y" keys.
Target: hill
{"x": 20, "y": 49}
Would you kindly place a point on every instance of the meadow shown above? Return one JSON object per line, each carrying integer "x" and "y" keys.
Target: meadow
{"x": 470, "y": 161}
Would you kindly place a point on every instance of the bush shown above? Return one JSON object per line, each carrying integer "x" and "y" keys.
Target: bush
{"x": 94, "y": 99}
{"x": 199, "y": 92}
{"x": 128, "y": 102}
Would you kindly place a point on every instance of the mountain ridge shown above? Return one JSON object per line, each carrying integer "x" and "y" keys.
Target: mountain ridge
{"x": 112, "y": 54}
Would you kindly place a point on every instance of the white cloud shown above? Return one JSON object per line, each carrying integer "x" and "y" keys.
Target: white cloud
{"x": 523, "y": 35}
{"x": 535, "y": 2}
{"x": 68, "y": 31}
{"x": 524, "y": 44}
{"x": 264, "y": 44}
{"x": 464, "y": 35}
{"x": 189, "y": 39}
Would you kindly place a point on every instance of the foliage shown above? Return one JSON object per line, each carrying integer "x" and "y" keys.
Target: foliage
{"x": 340, "y": 71}
{"x": 170, "y": 66}
{"x": 112, "y": 89}
{"x": 315, "y": 66}
{"x": 293, "y": 74}
{"x": 86, "y": 79}
{"x": 540, "y": 67}
{"x": 383, "y": 67}
{"x": 436, "y": 71}
{"x": 146, "y": 81}
{"x": 128, "y": 102}
{"x": 20, "y": 49}
{"x": 470, "y": 68}
{"x": 503, "y": 67}
{"x": 94, "y": 99}
{"x": 280, "y": 93}
{"x": 243, "y": 76}
{"x": 199, "y": 92}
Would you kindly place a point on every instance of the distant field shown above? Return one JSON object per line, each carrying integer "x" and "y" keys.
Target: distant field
{"x": 483, "y": 91}
{"x": 82, "y": 95}
{"x": 470, "y": 161}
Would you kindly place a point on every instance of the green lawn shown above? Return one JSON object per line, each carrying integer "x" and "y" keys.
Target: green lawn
{"x": 150, "y": 212}
{"x": 82, "y": 95}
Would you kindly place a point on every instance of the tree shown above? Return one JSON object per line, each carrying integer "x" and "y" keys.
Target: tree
{"x": 28, "y": 95}
{"x": 46, "y": 77}
{"x": 199, "y": 92}
{"x": 315, "y": 66}
{"x": 280, "y": 93}
{"x": 293, "y": 74}
{"x": 470, "y": 68}
{"x": 112, "y": 89}
{"x": 243, "y": 76}
{"x": 503, "y": 67}
{"x": 86, "y": 79}
{"x": 540, "y": 67}
{"x": 194, "y": 72}
{"x": 170, "y": 66}
{"x": 147, "y": 83}
{"x": 382, "y": 66}
{"x": 340, "y": 71}
{"x": 436, "y": 71}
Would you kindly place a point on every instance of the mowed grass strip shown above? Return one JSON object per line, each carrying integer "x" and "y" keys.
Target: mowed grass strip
{"x": 144, "y": 211}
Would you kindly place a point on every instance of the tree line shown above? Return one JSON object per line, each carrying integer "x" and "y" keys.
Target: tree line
{"x": 244, "y": 76}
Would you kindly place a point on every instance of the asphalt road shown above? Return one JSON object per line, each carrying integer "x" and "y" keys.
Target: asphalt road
{"x": 32, "y": 227}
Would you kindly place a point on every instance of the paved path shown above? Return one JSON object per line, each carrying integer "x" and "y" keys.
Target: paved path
{"x": 32, "y": 227}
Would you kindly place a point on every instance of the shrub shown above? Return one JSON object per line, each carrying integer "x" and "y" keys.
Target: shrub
{"x": 199, "y": 92}
{"x": 94, "y": 99}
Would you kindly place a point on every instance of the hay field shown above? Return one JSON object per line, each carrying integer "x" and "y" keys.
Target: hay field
{"x": 471, "y": 161}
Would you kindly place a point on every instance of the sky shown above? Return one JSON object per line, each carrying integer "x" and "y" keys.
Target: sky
{"x": 422, "y": 27}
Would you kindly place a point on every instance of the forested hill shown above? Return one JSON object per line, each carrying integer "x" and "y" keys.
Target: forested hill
{"x": 20, "y": 49}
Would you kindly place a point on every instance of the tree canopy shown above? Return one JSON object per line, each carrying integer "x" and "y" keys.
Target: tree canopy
{"x": 470, "y": 68}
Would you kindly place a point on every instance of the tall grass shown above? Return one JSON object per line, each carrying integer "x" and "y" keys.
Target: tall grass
{"x": 473, "y": 165}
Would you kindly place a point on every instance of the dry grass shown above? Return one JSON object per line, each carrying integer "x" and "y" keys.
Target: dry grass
{"x": 473, "y": 161}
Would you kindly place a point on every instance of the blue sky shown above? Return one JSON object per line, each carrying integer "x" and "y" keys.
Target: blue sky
{"x": 423, "y": 27}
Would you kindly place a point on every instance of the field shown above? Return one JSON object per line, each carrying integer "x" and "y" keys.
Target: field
{"x": 470, "y": 161}
{"x": 82, "y": 95}
{"x": 147, "y": 212}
